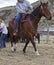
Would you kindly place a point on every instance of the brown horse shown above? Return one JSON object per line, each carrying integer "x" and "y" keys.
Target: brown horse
{"x": 31, "y": 24}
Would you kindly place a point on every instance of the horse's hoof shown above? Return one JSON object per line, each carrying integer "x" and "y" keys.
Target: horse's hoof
{"x": 14, "y": 50}
{"x": 24, "y": 51}
{"x": 37, "y": 53}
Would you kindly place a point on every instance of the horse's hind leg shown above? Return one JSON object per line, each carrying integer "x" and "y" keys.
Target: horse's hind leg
{"x": 12, "y": 48}
{"x": 24, "y": 49}
{"x": 15, "y": 46}
{"x": 15, "y": 41}
{"x": 34, "y": 45}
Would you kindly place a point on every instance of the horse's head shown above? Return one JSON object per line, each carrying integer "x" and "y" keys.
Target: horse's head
{"x": 45, "y": 11}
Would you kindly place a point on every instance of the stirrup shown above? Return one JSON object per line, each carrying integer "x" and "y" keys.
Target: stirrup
{"x": 14, "y": 33}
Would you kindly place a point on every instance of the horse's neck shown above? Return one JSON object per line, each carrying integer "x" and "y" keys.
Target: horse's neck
{"x": 35, "y": 16}
{"x": 36, "y": 21}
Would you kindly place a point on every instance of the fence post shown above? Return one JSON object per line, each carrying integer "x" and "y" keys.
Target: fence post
{"x": 47, "y": 38}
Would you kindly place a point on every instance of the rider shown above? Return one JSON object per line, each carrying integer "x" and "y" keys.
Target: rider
{"x": 23, "y": 7}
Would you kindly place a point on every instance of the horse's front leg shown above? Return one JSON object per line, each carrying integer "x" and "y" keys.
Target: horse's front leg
{"x": 38, "y": 37}
{"x": 34, "y": 45}
{"x": 24, "y": 49}
{"x": 13, "y": 46}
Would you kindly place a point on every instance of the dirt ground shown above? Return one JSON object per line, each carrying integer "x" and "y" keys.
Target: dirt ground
{"x": 30, "y": 58}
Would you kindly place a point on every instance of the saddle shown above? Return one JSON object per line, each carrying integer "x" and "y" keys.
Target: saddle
{"x": 23, "y": 19}
{"x": 24, "y": 16}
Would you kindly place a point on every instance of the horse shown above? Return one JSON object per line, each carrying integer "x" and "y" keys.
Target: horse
{"x": 30, "y": 26}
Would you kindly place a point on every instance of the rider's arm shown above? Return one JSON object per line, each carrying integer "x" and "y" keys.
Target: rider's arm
{"x": 29, "y": 6}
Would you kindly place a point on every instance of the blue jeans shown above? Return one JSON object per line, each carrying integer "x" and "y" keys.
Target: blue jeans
{"x": 2, "y": 40}
{"x": 17, "y": 20}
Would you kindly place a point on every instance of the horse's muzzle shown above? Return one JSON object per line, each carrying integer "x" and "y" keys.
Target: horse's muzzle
{"x": 49, "y": 18}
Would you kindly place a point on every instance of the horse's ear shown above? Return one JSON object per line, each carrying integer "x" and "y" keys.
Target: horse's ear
{"x": 41, "y": 5}
{"x": 47, "y": 3}
{"x": 40, "y": 2}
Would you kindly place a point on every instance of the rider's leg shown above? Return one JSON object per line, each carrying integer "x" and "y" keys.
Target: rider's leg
{"x": 17, "y": 18}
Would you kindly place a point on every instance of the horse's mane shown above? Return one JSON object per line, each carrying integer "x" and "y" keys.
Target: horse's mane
{"x": 35, "y": 12}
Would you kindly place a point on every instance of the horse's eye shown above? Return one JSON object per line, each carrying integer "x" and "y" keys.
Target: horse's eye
{"x": 49, "y": 8}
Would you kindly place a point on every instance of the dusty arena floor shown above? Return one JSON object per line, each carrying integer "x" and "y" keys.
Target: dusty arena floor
{"x": 30, "y": 58}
